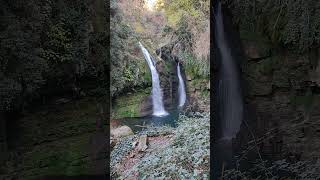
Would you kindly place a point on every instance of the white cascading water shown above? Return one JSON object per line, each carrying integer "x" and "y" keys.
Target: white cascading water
{"x": 229, "y": 88}
{"x": 181, "y": 89}
{"x": 157, "y": 98}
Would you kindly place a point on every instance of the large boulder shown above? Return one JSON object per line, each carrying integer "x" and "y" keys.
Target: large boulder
{"x": 121, "y": 131}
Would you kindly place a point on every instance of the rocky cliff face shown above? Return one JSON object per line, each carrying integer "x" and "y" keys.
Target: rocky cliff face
{"x": 281, "y": 84}
{"x": 139, "y": 103}
{"x": 197, "y": 87}
{"x": 283, "y": 88}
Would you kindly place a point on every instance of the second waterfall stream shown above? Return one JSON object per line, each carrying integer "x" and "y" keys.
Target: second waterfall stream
{"x": 181, "y": 89}
{"x": 157, "y": 96}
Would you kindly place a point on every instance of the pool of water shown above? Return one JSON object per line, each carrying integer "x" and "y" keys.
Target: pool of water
{"x": 140, "y": 123}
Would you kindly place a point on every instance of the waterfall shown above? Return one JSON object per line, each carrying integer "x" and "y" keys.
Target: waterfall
{"x": 229, "y": 94}
{"x": 181, "y": 89}
{"x": 157, "y": 98}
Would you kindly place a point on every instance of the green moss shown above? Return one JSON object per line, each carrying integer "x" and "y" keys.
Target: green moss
{"x": 128, "y": 111}
{"x": 66, "y": 157}
{"x": 129, "y": 105}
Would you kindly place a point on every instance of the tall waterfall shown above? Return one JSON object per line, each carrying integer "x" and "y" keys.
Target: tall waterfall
{"x": 229, "y": 93}
{"x": 157, "y": 98}
{"x": 181, "y": 89}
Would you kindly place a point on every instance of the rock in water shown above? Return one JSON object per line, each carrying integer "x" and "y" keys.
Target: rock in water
{"x": 143, "y": 140}
{"x": 121, "y": 131}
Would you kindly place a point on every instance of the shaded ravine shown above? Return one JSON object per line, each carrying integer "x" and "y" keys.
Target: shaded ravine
{"x": 172, "y": 111}
{"x": 229, "y": 99}
{"x": 157, "y": 96}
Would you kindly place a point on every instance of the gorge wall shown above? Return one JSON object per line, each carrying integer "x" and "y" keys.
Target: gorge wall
{"x": 167, "y": 43}
{"x": 281, "y": 73}
{"x": 284, "y": 89}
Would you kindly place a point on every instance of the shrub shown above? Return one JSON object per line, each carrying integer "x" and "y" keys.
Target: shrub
{"x": 196, "y": 67}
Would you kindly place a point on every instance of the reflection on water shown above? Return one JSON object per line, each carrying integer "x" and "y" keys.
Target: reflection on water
{"x": 140, "y": 123}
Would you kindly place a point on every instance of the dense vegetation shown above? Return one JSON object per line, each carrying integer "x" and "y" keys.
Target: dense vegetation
{"x": 188, "y": 25}
{"x": 50, "y": 48}
{"x": 128, "y": 70}
{"x": 294, "y": 24}
{"x": 130, "y": 25}
{"x": 176, "y": 10}
{"x": 53, "y": 73}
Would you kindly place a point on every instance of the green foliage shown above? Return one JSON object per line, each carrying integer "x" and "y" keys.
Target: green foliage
{"x": 21, "y": 66}
{"x": 185, "y": 37}
{"x": 147, "y": 77}
{"x": 197, "y": 68}
{"x": 67, "y": 36}
{"x": 128, "y": 67}
{"x": 59, "y": 44}
{"x": 47, "y": 45}
{"x": 205, "y": 94}
{"x": 176, "y": 10}
{"x": 188, "y": 29}
{"x": 292, "y": 23}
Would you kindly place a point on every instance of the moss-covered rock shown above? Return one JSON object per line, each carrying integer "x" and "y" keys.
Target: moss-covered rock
{"x": 129, "y": 105}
